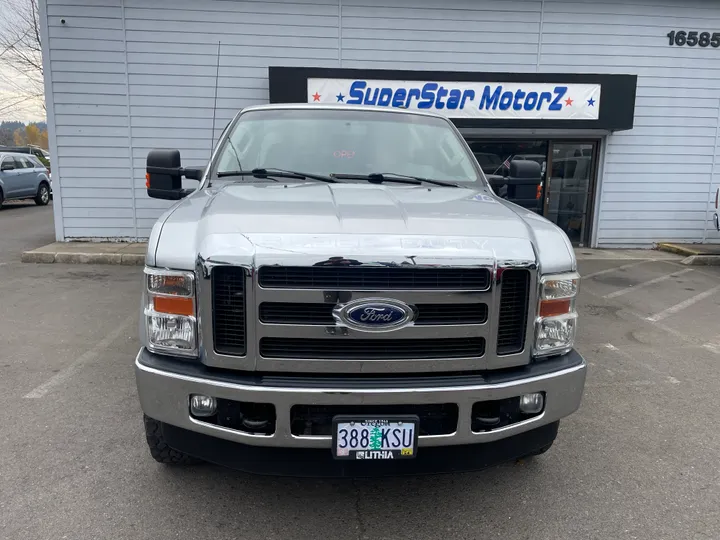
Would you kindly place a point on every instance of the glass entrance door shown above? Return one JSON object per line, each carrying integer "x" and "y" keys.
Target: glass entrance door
{"x": 559, "y": 187}
{"x": 568, "y": 187}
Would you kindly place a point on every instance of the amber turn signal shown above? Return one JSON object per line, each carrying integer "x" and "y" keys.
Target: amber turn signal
{"x": 174, "y": 305}
{"x": 553, "y": 308}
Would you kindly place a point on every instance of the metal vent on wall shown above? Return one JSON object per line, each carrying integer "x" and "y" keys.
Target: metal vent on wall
{"x": 228, "y": 295}
{"x": 514, "y": 293}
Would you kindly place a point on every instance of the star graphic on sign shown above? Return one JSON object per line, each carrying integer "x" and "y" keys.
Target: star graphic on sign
{"x": 591, "y": 102}
{"x": 340, "y": 97}
{"x": 316, "y": 96}
{"x": 568, "y": 102}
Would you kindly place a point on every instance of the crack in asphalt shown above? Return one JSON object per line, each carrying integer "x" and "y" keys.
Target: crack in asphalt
{"x": 360, "y": 523}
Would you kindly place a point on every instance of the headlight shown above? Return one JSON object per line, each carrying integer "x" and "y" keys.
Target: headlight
{"x": 170, "y": 320}
{"x": 556, "y": 322}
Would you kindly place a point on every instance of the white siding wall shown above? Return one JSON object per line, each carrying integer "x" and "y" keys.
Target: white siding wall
{"x": 658, "y": 176}
{"x": 130, "y": 75}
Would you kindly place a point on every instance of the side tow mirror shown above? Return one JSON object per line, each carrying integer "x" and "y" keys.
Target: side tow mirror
{"x": 164, "y": 175}
{"x": 521, "y": 168}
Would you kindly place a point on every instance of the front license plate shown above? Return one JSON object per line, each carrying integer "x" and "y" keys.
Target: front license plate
{"x": 368, "y": 438}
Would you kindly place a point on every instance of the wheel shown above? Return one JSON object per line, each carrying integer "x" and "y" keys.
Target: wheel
{"x": 2, "y": 198}
{"x": 43, "y": 194}
{"x": 159, "y": 449}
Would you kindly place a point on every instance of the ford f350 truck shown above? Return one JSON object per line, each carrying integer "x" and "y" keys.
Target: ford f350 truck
{"x": 344, "y": 294}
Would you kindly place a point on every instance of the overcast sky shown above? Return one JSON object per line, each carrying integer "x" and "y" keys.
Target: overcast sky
{"x": 30, "y": 111}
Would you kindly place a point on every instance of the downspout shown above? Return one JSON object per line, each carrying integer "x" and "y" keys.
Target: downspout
{"x": 712, "y": 174}
{"x": 340, "y": 32}
{"x": 540, "y": 35}
{"x": 129, "y": 120}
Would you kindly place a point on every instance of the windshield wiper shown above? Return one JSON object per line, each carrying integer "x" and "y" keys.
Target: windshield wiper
{"x": 379, "y": 178}
{"x": 278, "y": 173}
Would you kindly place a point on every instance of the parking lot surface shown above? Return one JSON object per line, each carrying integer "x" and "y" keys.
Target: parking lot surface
{"x": 638, "y": 461}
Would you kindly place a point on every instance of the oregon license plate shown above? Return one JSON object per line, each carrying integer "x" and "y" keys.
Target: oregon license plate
{"x": 368, "y": 438}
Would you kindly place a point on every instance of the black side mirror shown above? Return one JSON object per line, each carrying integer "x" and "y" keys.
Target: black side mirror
{"x": 522, "y": 168}
{"x": 164, "y": 175}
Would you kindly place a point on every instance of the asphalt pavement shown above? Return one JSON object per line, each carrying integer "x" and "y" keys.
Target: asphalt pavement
{"x": 638, "y": 461}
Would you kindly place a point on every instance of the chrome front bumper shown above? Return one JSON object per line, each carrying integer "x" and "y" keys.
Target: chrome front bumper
{"x": 164, "y": 387}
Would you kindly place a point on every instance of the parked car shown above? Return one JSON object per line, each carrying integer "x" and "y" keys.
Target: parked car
{"x": 42, "y": 155}
{"x": 22, "y": 176}
{"x": 352, "y": 299}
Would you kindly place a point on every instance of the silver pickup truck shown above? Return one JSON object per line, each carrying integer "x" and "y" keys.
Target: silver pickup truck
{"x": 344, "y": 294}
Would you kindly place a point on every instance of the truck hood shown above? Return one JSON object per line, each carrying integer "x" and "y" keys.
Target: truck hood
{"x": 263, "y": 223}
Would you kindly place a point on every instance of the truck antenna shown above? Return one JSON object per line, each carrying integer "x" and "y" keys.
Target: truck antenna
{"x": 217, "y": 77}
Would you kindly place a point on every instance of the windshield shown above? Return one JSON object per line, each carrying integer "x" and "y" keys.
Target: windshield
{"x": 346, "y": 142}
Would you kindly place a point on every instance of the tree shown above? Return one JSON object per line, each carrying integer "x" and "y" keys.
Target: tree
{"x": 30, "y": 134}
{"x": 7, "y": 130}
{"x": 44, "y": 143}
{"x": 19, "y": 137}
{"x": 21, "y": 69}
{"x": 376, "y": 438}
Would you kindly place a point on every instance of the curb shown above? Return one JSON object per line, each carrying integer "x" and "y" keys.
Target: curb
{"x": 37, "y": 257}
{"x": 692, "y": 257}
{"x": 702, "y": 260}
{"x": 679, "y": 250}
{"x": 45, "y": 257}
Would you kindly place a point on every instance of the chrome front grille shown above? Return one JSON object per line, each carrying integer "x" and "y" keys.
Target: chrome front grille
{"x": 378, "y": 278}
{"x": 514, "y": 291}
{"x": 372, "y": 349}
{"x": 280, "y": 318}
{"x": 228, "y": 310}
{"x": 428, "y": 314}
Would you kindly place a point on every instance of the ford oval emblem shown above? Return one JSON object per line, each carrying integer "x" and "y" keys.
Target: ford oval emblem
{"x": 375, "y": 314}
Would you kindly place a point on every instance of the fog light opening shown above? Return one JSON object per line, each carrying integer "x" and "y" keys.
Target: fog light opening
{"x": 532, "y": 403}
{"x": 202, "y": 406}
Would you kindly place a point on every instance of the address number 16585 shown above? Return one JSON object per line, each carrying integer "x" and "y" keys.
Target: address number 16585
{"x": 691, "y": 39}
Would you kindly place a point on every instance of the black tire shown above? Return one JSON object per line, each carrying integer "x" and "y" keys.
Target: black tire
{"x": 159, "y": 449}
{"x": 43, "y": 195}
{"x": 2, "y": 198}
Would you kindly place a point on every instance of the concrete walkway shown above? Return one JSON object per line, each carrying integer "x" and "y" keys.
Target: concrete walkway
{"x": 88, "y": 253}
{"x": 134, "y": 254}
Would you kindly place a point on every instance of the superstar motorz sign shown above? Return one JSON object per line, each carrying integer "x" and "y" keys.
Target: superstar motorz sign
{"x": 497, "y": 100}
